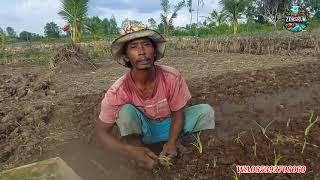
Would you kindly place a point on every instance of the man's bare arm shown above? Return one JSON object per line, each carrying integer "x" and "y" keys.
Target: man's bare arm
{"x": 110, "y": 142}
{"x": 176, "y": 126}
{"x": 143, "y": 156}
{"x": 177, "y": 121}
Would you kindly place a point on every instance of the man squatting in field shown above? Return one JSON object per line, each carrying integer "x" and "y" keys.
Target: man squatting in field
{"x": 149, "y": 101}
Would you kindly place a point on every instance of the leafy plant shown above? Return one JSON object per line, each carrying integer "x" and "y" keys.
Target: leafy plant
{"x": 234, "y": 10}
{"x": 166, "y": 20}
{"x": 235, "y": 174}
{"x": 254, "y": 147}
{"x": 215, "y": 160}
{"x": 198, "y": 143}
{"x": 238, "y": 138}
{"x": 288, "y": 122}
{"x": 277, "y": 158}
{"x": 216, "y": 18}
{"x": 264, "y": 129}
{"x": 307, "y": 130}
{"x": 190, "y": 9}
{"x": 74, "y": 12}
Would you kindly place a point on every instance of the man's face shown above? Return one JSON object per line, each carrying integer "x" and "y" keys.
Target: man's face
{"x": 140, "y": 53}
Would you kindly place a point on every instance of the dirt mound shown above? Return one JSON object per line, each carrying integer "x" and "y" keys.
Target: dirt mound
{"x": 71, "y": 60}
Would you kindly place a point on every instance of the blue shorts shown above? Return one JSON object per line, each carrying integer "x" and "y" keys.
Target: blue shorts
{"x": 132, "y": 121}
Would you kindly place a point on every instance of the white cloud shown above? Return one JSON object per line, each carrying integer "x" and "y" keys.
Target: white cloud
{"x": 31, "y": 15}
{"x": 34, "y": 14}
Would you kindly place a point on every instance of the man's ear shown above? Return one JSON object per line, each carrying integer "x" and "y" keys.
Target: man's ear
{"x": 125, "y": 58}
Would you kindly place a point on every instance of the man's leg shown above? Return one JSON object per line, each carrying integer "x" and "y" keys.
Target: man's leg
{"x": 132, "y": 121}
{"x": 197, "y": 118}
{"x": 131, "y": 124}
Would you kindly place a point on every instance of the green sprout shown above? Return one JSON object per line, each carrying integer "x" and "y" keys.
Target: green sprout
{"x": 215, "y": 160}
{"x": 198, "y": 143}
{"x": 277, "y": 158}
{"x": 254, "y": 147}
{"x": 279, "y": 138}
{"x": 238, "y": 138}
{"x": 288, "y": 122}
{"x": 235, "y": 174}
{"x": 264, "y": 130}
{"x": 307, "y": 130}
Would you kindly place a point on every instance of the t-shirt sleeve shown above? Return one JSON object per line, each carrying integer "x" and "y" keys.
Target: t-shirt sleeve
{"x": 110, "y": 106}
{"x": 179, "y": 94}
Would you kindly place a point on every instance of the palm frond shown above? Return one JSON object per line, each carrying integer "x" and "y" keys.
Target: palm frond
{"x": 165, "y": 7}
{"x": 177, "y": 8}
{"x": 163, "y": 19}
{"x": 75, "y": 13}
{"x": 189, "y": 5}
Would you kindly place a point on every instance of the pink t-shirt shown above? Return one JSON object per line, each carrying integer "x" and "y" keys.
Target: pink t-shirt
{"x": 171, "y": 93}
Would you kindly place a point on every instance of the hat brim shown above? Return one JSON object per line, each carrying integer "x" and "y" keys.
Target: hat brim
{"x": 119, "y": 43}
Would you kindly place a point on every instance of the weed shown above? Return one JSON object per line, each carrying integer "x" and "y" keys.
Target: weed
{"x": 311, "y": 123}
{"x": 307, "y": 130}
{"x": 264, "y": 130}
{"x": 198, "y": 143}
{"x": 215, "y": 160}
{"x": 235, "y": 174}
{"x": 254, "y": 147}
{"x": 238, "y": 138}
{"x": 288, "y": 122}
{"x": 279, "y": 138}
{"x": 277, "y": 158}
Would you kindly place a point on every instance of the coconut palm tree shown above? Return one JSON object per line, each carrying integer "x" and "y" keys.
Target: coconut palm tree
{"x": 190, "y": 9}
{"x": 166, "y": 20}
{"x": 200, "y": 3}
{"x": 234, "y": 10}
{"x": 75, "y": 13}
{"x": 216, "y": 17}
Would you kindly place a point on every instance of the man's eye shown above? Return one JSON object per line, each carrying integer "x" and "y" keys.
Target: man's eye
{"x": 132, "y": 47}
{"x": 147, "y": 44}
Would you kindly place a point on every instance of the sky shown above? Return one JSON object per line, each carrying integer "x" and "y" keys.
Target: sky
{"x": 32, "y": 15}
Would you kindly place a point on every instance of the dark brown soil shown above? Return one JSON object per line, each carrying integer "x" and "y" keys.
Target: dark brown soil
{"x": 44, "y": 115}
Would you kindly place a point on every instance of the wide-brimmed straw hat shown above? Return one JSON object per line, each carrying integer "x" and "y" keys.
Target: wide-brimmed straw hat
{"x": 135, "y": 31}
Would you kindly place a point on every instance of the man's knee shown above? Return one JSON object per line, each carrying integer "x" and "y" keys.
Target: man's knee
{"x": 206, "y": 117}
{"x": 206, "y": 109}
{"x": 128, "y": 120}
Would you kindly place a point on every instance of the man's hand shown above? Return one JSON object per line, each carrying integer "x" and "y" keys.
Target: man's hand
{"x": 143, "y": 157}
{"x": 169, "y": 149}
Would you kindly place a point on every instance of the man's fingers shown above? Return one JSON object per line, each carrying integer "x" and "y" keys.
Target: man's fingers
{"x": 163, "y": 153}
{"x": 151, "y": 154}
{"x": 171, "y": 156}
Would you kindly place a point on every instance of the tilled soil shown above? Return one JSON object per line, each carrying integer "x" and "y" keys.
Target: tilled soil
{"x": 43, "y": 115}
{"x": 245, "y": 103}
